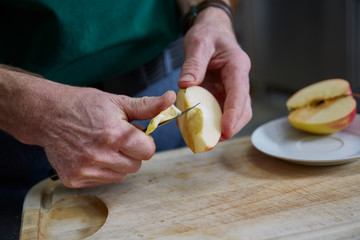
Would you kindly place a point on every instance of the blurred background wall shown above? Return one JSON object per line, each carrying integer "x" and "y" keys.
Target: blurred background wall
{"x": 294, "y": 43}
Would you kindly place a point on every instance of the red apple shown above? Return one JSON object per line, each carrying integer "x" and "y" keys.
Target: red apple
{"x": 324, "y": 107}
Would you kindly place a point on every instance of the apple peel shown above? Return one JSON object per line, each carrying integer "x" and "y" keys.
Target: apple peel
{"x": 163, "y": 116}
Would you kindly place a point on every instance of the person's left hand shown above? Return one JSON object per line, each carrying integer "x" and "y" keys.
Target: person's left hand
{"x": 214, "y": 60}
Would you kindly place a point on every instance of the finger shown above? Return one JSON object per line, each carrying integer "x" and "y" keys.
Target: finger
{"x": 237, "y": 108}
{"x": 90, "y": 184}
{"x": 147, "y": 107}
{"x": 102, "y": 175}
{"x": 91, "y": 177}
{"x": 113, "y": 160}
{"x": 197, "y": 57}
{"x": 127, "y": 139}
{"x": 123, "y": 164}
{"x": 81, "y": 184}
{"x": 104, "y": 168}
{"x": 134, "y": 143}
{"x": 234, "y": 120}
{"x": 246, "y": 115}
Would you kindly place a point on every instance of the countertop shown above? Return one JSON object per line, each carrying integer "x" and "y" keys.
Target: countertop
{"x": 231, "y": 192}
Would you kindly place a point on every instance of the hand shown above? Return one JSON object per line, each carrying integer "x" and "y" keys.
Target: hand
{"x": 215, "y": 60}
{"x": 86, "y": 133}
{"x": 89, "y": 139}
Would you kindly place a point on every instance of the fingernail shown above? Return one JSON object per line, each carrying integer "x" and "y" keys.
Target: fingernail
{"x": 187, "y": 78}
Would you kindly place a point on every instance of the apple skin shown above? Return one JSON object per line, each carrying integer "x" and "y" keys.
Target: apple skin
{"x": 325, "y": 107}
{"x": 201, "y": 126}
{"x": 324, "y": 128}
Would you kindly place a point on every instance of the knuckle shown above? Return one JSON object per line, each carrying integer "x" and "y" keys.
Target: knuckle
{"x": 94, "y": 158}
{"x": 194, "y": 39}
{"x": 140, "y": 148}
{"x": 202, "y": 42}
{"x": 120, "y": 177}
{"x": 145, "y": 101}
{"x": 135, "y": 166}
{"x": 147, "y": 154}
{"x": 72, "y": 177}
{"x": 71, "y": 183}
{"x": 245, "y": 61}
{"x": 110, "y": 136}
{"x": 139, "y": 103}
{"x": 191, "y": 64}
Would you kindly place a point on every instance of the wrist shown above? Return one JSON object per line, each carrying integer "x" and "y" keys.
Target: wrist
{"x": 184, "y": 5}
{"x": 195, "y": 10}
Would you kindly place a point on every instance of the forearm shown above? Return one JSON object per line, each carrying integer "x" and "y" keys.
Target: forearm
{"x": 23, "y": 96}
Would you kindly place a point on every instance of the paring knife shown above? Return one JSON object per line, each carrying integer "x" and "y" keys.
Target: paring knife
{"x": 171, "y": 119}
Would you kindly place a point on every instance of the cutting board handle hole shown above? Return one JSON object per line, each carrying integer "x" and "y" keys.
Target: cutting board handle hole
{"x": 73, "y": 218}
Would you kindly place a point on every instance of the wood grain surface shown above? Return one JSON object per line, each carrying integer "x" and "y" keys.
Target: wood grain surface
{"x": 231, "y": 192}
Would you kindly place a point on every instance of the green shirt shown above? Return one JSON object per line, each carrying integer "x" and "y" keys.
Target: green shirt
{"x": 80, "y": 42}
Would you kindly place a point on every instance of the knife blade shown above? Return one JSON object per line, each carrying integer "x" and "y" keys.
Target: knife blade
{"x": 171, "y": 119}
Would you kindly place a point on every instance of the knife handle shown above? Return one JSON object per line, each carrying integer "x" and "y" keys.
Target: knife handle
{"x": 53, "y": 174}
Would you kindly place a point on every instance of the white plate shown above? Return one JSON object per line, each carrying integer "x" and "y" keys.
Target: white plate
{"x": 279, "y": 139}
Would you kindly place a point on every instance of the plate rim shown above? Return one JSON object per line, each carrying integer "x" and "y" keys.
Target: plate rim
{"x": 300, "y": 160}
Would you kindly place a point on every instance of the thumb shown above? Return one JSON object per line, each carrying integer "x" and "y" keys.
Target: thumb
{"x": 147, "y": 107}
{"x": 194, "y": 68}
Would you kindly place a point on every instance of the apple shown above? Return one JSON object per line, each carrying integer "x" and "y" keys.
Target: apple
{"x": 201, "y": 126}
{"x": 324, "y": 107}
{"x": 164, "y": 116}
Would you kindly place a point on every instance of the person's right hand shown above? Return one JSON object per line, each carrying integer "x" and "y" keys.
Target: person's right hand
{"x": 94, "y": 143}
{"x": 89, "y": 139}
{"x": 86, "y": 133}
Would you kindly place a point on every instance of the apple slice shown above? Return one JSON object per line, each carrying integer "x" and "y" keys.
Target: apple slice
{"x": 324, "y": 107}
{"x": 163, "y": 116}
{"x": 201, "y": 126}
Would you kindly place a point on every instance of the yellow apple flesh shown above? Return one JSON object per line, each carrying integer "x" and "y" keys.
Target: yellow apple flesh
{"x": 201, "y": 126}
{"x": 322, "y": 108}
{"x": 166, "y": 115}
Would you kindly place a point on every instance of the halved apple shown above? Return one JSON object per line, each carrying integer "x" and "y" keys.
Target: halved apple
{"x": 201, "y": 126}
{"x": 324, "y": 107}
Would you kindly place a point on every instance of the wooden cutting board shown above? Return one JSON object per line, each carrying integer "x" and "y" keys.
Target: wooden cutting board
{"x": 230, "y": 192}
